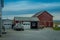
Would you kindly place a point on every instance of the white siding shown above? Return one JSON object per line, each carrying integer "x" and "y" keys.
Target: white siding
{"x": 7, "y": 24}
{"x": 26, "y": 25}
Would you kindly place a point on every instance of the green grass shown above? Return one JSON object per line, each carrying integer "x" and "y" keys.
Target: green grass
{"x": 56, "y": 28}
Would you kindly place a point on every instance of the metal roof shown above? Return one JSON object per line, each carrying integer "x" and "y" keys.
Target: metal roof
{"x": 6, "y": 20}
{"x": 26, "y": 18}
{"x": 39, "y": 13}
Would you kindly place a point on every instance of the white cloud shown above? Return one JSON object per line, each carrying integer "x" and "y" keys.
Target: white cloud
{"x": 26, "y": 5}
{"x": 56, "y": 15}
{"x": 12, "y": 16}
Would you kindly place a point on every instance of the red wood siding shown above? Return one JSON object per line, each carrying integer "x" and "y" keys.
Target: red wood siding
{"x": 46, "y": 19}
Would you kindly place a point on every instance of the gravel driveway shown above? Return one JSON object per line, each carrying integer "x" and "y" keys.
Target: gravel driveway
{"x": 44, "y": 34}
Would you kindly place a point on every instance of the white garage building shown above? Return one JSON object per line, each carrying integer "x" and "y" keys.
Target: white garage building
{"x": 26, "y": 25}
{"x": 7, "y": 23}
{"x": 27, "y": 22}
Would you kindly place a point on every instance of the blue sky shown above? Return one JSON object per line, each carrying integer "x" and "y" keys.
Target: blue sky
{"x": 27, "y": 8}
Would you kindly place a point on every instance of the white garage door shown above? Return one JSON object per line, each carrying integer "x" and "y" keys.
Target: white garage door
{"x": 26, "y": 25}
{"x": 7, "y": 26}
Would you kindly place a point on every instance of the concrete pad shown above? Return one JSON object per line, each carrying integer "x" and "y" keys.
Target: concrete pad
{"x": 44, "y": 34}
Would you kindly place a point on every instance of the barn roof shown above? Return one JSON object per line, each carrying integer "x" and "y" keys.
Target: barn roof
{"x": 26, "y": 18}
{"x": 39, "y": 13}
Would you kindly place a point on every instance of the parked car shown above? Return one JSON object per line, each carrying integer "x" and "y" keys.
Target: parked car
{"x": 18, "y": 27}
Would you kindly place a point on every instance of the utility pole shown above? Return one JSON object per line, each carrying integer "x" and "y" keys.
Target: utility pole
{"x": 1, "y": 6}
{"x": 0, "y": 22}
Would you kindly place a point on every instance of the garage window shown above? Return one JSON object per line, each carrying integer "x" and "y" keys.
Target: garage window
{"x": 26, "y": 24}
{"x": 7, "y": 24}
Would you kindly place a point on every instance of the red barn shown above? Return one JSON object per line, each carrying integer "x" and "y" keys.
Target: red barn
{"x": 45, "y": 18}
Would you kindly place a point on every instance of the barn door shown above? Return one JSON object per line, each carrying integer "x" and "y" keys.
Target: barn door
{"x": 34, "y": 25}
{"x": 51, "y": 24}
